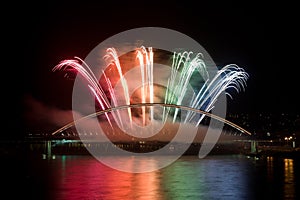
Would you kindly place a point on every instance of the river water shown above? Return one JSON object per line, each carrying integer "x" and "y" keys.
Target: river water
{"x": 213, "y": 177}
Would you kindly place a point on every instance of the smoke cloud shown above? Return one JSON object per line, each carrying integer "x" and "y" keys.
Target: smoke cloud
{"x": 38, "y": 115}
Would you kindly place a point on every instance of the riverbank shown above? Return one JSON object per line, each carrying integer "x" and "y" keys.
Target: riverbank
{"x": 276, "y": 151}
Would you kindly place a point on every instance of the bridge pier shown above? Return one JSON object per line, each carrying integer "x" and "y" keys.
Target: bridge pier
{"x": 253, "y": 147}
{"x": 48, "y": 149}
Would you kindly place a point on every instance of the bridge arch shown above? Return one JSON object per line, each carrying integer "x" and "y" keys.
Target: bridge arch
{"x": 208, "y": 114}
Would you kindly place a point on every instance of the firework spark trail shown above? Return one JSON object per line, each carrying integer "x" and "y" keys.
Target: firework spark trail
{"x": 88, "y": 75}
{"x": 150, "y": 74}
{"x": 143, "y": 94}
{"x": 146, "y": 61}
{"x": 188, "y": 66}
{"x": 187, "y": 71}
{"x": 181, "y": 87}
{"x": 114, "y": 101}
{"x": 98, "y": 99}
{"x": 230, "y": 76}
{"x": 111, "y": 52}
{"x": 171, "y": 95}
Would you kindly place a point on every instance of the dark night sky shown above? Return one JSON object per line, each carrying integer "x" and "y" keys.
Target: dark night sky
{"x": 258, "y": 37}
